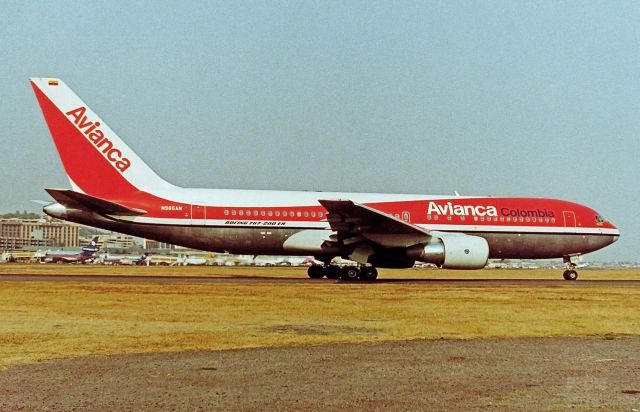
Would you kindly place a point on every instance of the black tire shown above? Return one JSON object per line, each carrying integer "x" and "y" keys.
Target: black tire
{"x": 570, "y": 275}
{"x": 315, "y": 272}
{"x": 333, "y": 272}
{"x": 350, "y": 273}
{"x": 368, "y": 274}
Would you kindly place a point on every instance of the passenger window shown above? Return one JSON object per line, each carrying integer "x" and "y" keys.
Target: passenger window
{"x": 240, "y": 212}
{"x": 306, "y": 214}
{"x": 270, "y": 213}
{"x": 263, "y": 213}
{"x": 313, "y": 214}
{"x": 299, "y": 214}
{"x": 233, "y": 212}
{"x": 284, "y": 213}
{"x": 226, "y": 212}
{"x": 277, "y": 213}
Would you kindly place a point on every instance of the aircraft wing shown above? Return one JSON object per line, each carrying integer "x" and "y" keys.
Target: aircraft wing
{"x": 77, "y": 200}
{"x": 355, "y": 223}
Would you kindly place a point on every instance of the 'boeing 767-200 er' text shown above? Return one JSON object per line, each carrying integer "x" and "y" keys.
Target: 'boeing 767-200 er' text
{"x": 121, "y": 193}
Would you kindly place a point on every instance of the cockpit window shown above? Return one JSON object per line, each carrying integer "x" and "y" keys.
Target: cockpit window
{"x": 599, "y": 219}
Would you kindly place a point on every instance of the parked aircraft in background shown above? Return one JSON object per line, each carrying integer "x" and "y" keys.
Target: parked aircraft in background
{"x": 86, "y": 254}
{"x": 188, "y": 260}
{"x": 375, "y": 230}
{"x": 109, "y": 259}
{"x": 264, "y": 260}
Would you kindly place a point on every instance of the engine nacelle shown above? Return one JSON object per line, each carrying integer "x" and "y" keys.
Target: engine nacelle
{"x": 453, "y": 251}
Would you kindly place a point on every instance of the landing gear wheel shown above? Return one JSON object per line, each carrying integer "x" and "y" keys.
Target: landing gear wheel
{"x": 570, "y": 275}
{"x": 368, "y": 273}
{"x": 315, "y": 272}
{"x": 333, "y": 272}
{"x": 350, "y": 273}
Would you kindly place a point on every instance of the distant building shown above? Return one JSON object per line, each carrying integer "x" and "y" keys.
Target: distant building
{"x": 150, "y": 244}
{"x": 116, "y": 241}
{"x": 21, "y": 233}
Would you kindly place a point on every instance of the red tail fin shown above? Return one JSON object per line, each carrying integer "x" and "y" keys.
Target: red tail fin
{"x": 95, "y": 159}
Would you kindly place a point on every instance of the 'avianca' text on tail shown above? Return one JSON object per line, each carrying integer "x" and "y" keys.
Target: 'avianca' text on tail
{"x": 375, "y": 230}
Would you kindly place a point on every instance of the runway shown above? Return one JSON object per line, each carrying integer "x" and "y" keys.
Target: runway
{"x": 495, "y": 374}
{"x": 246, "y": 338}
{"x": 248, "y": 279}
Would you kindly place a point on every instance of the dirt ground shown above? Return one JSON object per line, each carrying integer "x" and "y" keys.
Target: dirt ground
{"x": 510, "y": 374}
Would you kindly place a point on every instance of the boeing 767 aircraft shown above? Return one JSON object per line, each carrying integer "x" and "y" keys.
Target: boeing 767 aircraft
{"x": 375, "y": 230}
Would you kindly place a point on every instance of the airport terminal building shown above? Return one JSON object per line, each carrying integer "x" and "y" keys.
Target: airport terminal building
{"x": 25, "y": 233}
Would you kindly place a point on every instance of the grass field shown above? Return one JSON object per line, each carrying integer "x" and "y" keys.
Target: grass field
{"x": 240, "y": 271}
{"x": 47, "y": 320}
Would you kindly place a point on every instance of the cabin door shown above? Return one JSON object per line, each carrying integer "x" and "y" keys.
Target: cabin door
{"x": 569, "y": 219}
{"x": 198, "y": 215}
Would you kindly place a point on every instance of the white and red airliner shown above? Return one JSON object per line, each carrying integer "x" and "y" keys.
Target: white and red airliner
{"x": 112, "y": 188}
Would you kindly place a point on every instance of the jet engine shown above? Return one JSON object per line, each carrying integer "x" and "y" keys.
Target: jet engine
{"x": 453, "y": 251}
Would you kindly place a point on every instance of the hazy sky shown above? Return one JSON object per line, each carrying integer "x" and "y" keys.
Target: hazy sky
{"x": 502, "y": 98}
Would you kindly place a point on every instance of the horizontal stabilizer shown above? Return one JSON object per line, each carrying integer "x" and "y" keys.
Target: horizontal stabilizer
{"x": 42, "y": 202}
{"x": 76, "y": 200}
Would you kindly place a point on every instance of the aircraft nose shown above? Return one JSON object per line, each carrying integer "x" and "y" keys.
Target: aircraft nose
{"x": 615, "y": 233}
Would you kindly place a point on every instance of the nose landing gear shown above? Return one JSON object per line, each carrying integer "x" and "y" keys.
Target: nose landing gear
{"x": 570, "y": 273}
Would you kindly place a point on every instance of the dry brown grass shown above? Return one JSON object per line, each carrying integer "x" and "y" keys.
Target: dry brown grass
{"x": 47, "y": 320}
{"x": 241, "y": 271}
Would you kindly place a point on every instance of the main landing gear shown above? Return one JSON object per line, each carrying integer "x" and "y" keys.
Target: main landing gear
{"x": 349, "y": 273}
{"x": 570, "y": 273}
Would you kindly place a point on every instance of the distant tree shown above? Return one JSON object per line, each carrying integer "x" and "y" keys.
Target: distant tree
{"x": 87, "y": 231}
{"x": 20, "y": 215}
